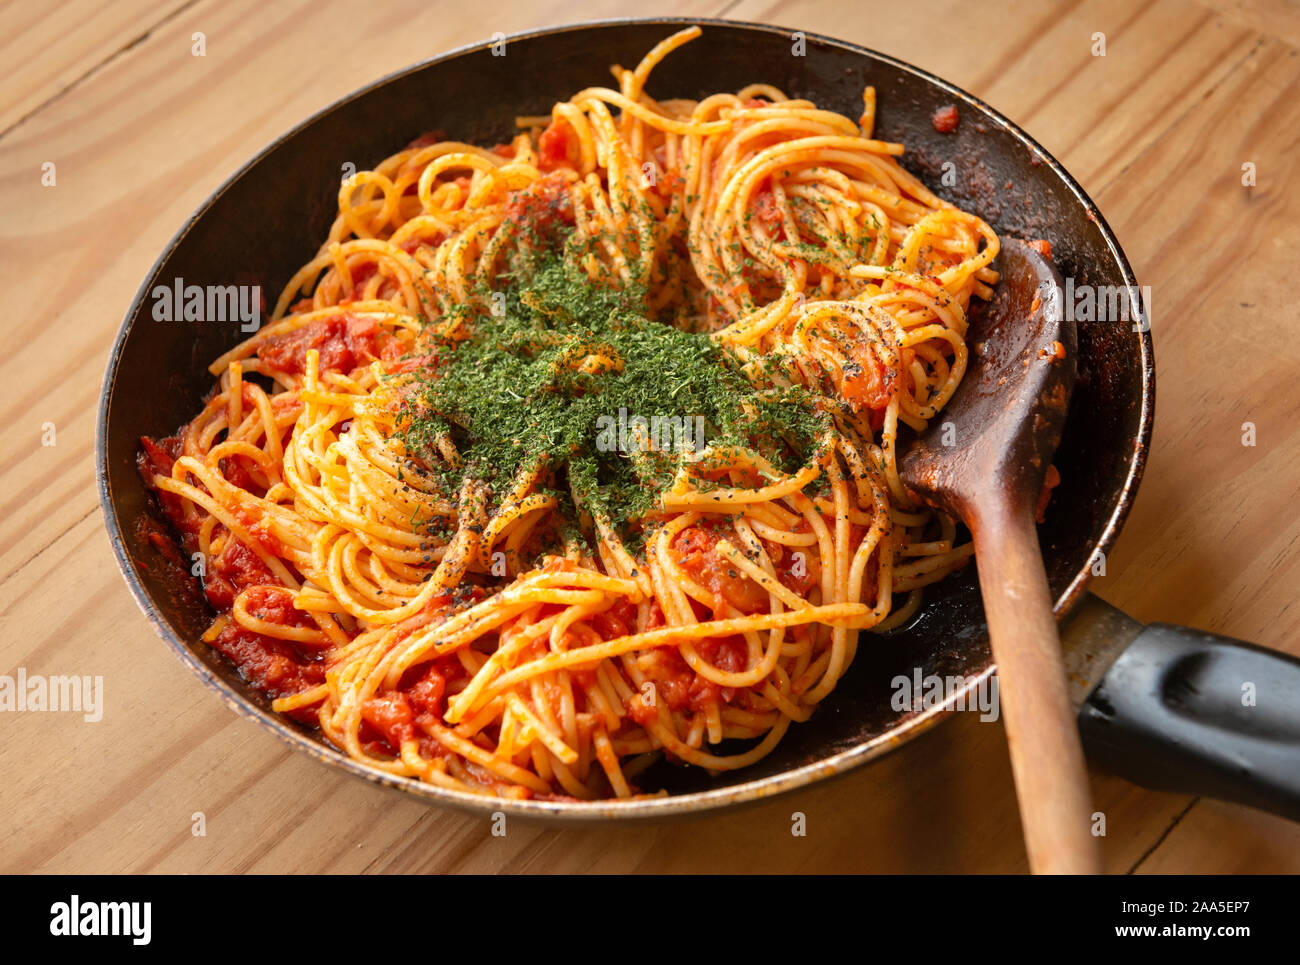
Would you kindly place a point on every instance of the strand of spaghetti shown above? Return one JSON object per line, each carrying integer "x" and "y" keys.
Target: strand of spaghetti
{"x": 467, "y": 626}
{"x": 483, "y": 758}
{"x": 716, "y": 498}
{"x": 609, "y": 763}
{"x": 239, "y": 610}
{"x": 765, "y": 580}
{"x": 716, "y": 763}
{"x": 549, "y": 738}
{"x": 227, "y": 519}
{"x": 657, "y": 638}
{"x": 650, "y": 118}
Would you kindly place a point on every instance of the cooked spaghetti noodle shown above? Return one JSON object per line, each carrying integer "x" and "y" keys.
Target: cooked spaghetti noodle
{"x": 406, "y": 520}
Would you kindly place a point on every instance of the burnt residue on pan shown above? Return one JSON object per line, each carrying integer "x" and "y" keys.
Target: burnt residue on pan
{"x": 268, "y": 220}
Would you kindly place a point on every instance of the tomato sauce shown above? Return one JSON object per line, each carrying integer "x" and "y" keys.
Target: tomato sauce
{"x": 546, "y": 204}
{"x": 680, "y": 687}
{"x": 768, "y": 213}
{"x": 945, "y": 119}
{"x": 557, "y": 147}
{"x": 395, "y": 716}
{"x": 275, "y": 667}
{"x": 696, "y": 551}
{"x": 345, "y": 342}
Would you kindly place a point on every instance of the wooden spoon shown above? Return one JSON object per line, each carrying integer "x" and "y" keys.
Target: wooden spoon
{"x": 983, "y": 460}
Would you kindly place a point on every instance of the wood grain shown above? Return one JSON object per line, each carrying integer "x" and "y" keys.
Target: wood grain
{"x": 49, "y": 49}
{"x": 141, "y": 131}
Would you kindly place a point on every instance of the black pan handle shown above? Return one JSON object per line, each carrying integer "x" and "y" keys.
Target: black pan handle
{"x": 1196, "y": 713}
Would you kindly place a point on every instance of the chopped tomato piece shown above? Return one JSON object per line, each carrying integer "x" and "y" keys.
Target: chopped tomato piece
{"x": 545, "y": 204}
{"x": 768, "y": 213}
{"x": 235, "y": 567}
{"x": 272, "y": 666}
{"x": 390, "y": 715}
{"x": 345, "y": 342}
{"x": 618, "y": 621}
{"x": 1044, "y": 248}
{"x": 557, "y": 147}
{"x": 672, "y": 678}
{"x": 800, "y": 569}
{"x": 865, "y": 382}
{"x": 945, "y": 119}
{"x": 1052, "y": 480}
{"x": 427, "y": 693}
{"x": 726, "y": 653}
{"x": 274, "y": 605}
{"x": 695, "y": 548}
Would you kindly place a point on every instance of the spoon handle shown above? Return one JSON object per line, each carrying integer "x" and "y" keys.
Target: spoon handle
{"x": 1046, "y": 755}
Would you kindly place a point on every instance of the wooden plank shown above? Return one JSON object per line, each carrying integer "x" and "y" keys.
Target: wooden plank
{"x": 1269, "y": 18}
{"x": 1220, "y": 839}
{"x": 49, "y": 48}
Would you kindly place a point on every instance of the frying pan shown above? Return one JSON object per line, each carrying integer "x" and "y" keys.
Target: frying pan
{"x": 268, "y": 219}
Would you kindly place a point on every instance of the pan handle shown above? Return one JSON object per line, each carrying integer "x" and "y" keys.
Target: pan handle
{"x": 1196, "y": 713}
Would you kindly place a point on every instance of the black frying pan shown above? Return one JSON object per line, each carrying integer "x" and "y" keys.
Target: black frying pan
{"x": 268, "y": 219}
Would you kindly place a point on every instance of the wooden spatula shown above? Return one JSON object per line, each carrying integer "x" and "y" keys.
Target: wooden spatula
{"x": 987, "y": 468}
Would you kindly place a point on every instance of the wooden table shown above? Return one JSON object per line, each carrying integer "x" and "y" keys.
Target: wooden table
{"x": 140, "y": 131}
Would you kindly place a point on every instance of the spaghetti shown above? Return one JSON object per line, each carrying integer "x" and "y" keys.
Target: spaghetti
{"x": 434, "y": 506}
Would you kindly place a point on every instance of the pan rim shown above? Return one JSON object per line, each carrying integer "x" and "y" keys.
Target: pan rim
{"x": 584, "y": 812}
